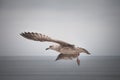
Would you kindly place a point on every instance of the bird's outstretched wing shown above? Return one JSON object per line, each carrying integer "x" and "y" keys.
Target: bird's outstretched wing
{"x": 66, "y": 56}
{"x": 43, "y": 38}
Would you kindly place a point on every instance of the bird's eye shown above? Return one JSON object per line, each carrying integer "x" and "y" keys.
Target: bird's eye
{"x": 50, "y": 46}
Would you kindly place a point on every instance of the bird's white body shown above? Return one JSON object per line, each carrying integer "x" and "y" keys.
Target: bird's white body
{"x": 66, "y": 50}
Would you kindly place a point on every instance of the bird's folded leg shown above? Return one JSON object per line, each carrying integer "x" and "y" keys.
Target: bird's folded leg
{"x": 78, "y": 61}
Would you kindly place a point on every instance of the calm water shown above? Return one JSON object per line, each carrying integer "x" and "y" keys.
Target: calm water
{"x": 46, "y": 68}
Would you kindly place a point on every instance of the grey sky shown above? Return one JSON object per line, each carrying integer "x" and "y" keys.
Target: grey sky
{"x": 92, "y": 24}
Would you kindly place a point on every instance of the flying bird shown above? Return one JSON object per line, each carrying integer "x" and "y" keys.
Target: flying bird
{"x": 67, "y": 51}
{"x": 61, "y": 46}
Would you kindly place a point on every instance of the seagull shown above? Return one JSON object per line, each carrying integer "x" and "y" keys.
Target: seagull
{"x": 64, "y": 48}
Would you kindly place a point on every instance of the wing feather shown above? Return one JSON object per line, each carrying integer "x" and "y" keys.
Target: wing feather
{"x": 43, "y": 38}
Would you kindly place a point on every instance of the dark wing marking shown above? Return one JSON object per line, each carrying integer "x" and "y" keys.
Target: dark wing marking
{"x": 43, "y": 38}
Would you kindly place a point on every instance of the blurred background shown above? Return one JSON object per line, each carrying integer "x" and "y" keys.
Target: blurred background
{"x": 91, "y": 24}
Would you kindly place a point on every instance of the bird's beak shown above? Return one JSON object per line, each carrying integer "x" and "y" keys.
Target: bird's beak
{"x": 47, "y": 48}
{"x": 89, "y": 53}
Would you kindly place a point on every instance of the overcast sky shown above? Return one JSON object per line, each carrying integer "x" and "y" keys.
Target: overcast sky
{"x": 91, "y": 24}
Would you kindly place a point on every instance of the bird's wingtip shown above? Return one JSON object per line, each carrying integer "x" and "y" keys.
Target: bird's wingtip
{"x": 22, "y": 33}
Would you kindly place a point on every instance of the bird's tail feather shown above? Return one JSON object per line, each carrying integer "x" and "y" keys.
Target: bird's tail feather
{"x": 84, "y": 50}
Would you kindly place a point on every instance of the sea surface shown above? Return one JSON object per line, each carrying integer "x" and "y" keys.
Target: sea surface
{"x": 46, "y": 68}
